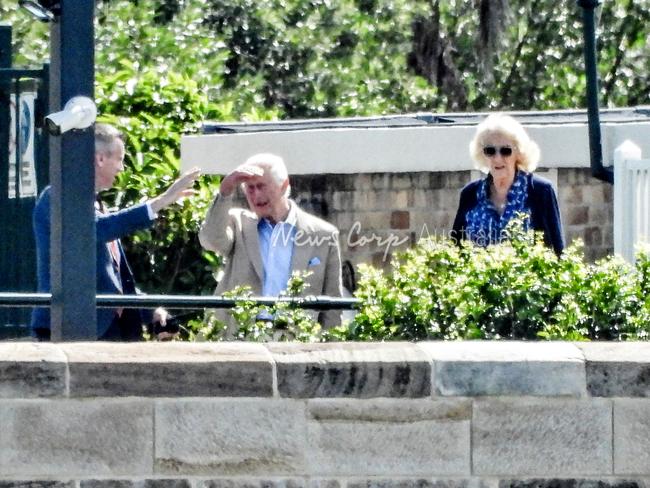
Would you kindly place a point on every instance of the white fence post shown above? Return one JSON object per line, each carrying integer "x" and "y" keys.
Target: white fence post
{"x": 631, "y": 199}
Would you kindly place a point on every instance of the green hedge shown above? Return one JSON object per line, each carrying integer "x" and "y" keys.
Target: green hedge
{"x": 515, "y": 290}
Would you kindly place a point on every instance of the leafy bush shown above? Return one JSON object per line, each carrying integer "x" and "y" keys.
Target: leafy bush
{"x": 515, "y": 290}
{"x": 285, "y": 321}
{"x": 154, "y": 108}
{"x": 518, "y": 289}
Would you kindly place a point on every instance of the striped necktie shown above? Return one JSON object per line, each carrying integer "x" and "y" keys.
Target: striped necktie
{"x": 114, "y": 250}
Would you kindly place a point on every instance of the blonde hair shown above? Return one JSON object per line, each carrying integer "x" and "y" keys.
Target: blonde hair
{"x": 524, "y": 148}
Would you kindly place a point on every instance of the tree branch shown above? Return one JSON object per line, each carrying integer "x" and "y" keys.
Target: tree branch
{"x": 620, "y": 54}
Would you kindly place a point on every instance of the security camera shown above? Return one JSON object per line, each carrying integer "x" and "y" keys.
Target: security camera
{"x": 78, "y": 113}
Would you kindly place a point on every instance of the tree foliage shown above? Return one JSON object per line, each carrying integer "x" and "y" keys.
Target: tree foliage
{"x": 314, "y": 58}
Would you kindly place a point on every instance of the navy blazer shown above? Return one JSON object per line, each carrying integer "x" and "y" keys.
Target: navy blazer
{"x": 109, "y": 227}
{"x": 542, "y": 202}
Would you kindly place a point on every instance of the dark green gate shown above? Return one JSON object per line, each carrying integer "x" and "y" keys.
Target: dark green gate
{"x": 23, "y": 174}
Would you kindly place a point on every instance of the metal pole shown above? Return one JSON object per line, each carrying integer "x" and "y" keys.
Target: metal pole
{"x": 5, "y": 46}
{"x": 591, "y": 71}
{"x": 5, "y": 219}
{"x": 72, "y": 176}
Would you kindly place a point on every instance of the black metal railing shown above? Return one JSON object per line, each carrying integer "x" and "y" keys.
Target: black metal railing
{"x": 23, "y": 171}
{"x": 320, "y": 302}
{"x": 17, "y": 73}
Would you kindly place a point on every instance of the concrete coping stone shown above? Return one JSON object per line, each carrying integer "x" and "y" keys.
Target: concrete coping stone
{"x": 352, "y": 370}
{"x": 617, "y": 369}
{"x": 171, "y": 369}
{"x": 31, "y": 370}
{"x": 327, "y": 370}
{"x": 490, "y": 368}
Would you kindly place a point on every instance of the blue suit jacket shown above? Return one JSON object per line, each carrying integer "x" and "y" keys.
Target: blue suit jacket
{"x": 542, "y": 201}
{"x": 110, "y": 227}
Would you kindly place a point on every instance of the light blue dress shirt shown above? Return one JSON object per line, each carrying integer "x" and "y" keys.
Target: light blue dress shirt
{"x": 276, "y": 248}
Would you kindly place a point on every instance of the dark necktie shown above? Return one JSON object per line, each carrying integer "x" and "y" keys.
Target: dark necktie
{"x": 114, "y": 250}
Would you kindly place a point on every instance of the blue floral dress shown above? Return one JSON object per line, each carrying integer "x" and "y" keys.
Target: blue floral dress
{"x": 484, "y": 224}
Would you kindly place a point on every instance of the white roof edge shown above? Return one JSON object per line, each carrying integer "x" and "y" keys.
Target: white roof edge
{"x": 397, "y": 149}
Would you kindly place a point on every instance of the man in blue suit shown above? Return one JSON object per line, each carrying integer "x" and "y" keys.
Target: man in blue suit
{"x": 113, "y": 272}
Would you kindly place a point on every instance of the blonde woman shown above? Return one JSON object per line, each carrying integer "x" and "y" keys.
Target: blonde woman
{"x": 502, "y": 149}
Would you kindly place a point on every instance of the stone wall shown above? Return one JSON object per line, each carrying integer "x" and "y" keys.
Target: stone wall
{"x": 394, "y": 415}
{"x": 587, "y": 211}
{"x": 378, "y": 213}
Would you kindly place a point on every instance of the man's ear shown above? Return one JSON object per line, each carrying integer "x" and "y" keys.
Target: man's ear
{"x": 99, "y": 159}
{"x": 284, "y": 185}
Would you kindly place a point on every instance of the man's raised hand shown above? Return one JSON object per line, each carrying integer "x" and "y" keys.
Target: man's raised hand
{"x": 182, "y": 187}
{"x": 239, "y": 175}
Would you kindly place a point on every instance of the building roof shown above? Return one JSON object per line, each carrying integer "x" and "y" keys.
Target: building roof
{"x": 617, "y": 115}
{"x": 405, "y": 143}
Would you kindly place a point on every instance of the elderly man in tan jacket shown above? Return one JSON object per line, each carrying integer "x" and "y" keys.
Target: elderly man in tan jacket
{"x": 264, "y": 244}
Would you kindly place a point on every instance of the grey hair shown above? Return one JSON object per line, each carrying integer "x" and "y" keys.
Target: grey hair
{"x": 105, "y": 137}
{"x": 526, "y": 150}
{"x": 274, "y": 165}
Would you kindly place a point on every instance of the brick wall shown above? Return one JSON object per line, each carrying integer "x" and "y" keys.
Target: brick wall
{"x": 378, "y": 213}
{"x": 339, "y": 415}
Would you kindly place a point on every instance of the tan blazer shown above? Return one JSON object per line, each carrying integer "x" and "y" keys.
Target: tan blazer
{"x": 232, "y": 232}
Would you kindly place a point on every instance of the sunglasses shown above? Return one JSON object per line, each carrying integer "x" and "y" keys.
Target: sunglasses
{"x": 491, "y": 151}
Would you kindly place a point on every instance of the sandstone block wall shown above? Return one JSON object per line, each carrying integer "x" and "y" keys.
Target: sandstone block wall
{"x": 346, "y": 415}
{"x": 378, "y": 213}
{"x": 587, "y": 211}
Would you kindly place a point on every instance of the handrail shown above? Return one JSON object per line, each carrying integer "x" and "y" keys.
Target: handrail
{"x": 10, "y": 299}
{"x": 321, "y": 302}
{"x": 17, "y": 73}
